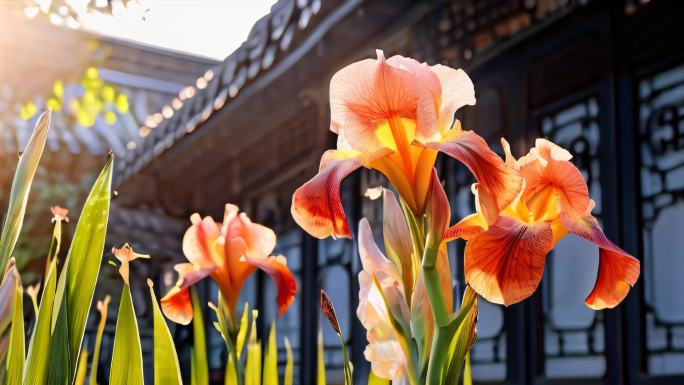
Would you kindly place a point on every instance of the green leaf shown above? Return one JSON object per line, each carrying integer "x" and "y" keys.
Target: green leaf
{"x": 320, "y": 372}
{"x": 463, "y": 336}
{"x": 126, "y": 366}
{"x": 199, "y": 368}
{"x": 467, "y": 371}
{"x": 21, "y": 185}
{"x": 231, "y": 374}
{"x": 166, "y": 368}
{"x": 271, "y": 358}
{"x": 253, "y": 363}
{"x": 37, "y": 362}
{"x": 375, "y": 380}
{"x": 15, "y": 354}
{"x": 76, "y": 284}
{"x": 289, "y": 364}
{"x": 82, "y": 368}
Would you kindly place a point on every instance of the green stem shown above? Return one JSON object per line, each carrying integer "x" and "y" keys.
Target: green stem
{"x": 233, "y": 356}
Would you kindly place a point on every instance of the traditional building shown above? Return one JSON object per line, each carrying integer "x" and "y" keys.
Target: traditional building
{"x": 603, "y": 78}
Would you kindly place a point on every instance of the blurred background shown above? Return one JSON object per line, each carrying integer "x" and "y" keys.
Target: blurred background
{"x": 208, "y": 102}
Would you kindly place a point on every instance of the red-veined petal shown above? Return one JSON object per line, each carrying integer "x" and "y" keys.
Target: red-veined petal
{"x": 177, "y": 305}
{"x": 618, "y": 270}
{"x": 505, "y": 264}
{"x": 368, "y": 92}
{"x": 497, "y": 182}
{"x": 276, "y": 268}
{"x": 317, "y": 206}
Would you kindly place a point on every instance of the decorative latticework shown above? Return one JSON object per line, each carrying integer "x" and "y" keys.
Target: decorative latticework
{"x": 661, "y": 140}
{"x": 573, "y": 334}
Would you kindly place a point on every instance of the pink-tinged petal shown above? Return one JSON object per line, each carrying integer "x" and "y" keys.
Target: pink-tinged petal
{"x": 497, "y": 182}
{"x": 505, "y": 264}
{"x": 375, "y": 264}
{"x": 387, "y": 360}
{"x": 177, "y": 305}
{"x": 367, "y": 93}
{"x": 618, "y": 270}
{"x": 398, "y": 243}
{"x": 457, "y": 91}
{"x": 200, "y": 241}
{"x": 429, "y": 103}
{"x": 189, "y": 274}
{"x": 317, "y": 206}
{"x": 276, "y": 268}
{"x": 259, "y": 239}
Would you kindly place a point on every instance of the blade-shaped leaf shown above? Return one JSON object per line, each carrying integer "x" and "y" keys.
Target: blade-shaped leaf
{"x": 76, "y": 284}
{"x": 200, "y": 370}
{"x": 289, "y": 364}
{"x": 463, "y": 337}
{"x": 15, "y": 354}
{"x": 81, "y": 369}
{"x": 21, "y": 185}
{"x": 271, "y": 358}
{"x": 244, "y": 329}
{"x": 253, "y": 363}
{"x": 166, "y": 368}
{"x": 126, "y": 366}
{"x": 37, "y": 362}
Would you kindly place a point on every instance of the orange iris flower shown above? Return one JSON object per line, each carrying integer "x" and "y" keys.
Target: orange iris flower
{"x": 229, "y": 253}
{"x": 394, "y": 116}
{"x": 505, "y": 254}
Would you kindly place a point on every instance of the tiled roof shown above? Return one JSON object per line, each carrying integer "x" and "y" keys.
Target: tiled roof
{"x": 271, "y": 40}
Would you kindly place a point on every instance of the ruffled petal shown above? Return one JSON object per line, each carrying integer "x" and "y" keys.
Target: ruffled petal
{"x": 497, "y": 182}
{"x": 375, "y": 264}
{"x": 368, "y": 92}
{"x": 387, "y": 360}
{"x": 177, "y": 305}
{"x": 618, "y": 270}
{"x": 317, "y": 206}
{"x": 276, "y": 268}
{"x": 200, "y": 241}
{"x": 552, "y": 183}
{"x": 457, "y": 91}
{"x": 505, "y": 264}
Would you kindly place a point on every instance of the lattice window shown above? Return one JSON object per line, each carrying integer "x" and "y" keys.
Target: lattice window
{"x": 661, "y": 138}
{"x": 573, "y": 333}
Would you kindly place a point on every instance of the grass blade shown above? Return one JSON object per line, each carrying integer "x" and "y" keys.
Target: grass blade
{"x": 320, "y": 372}
{"x": 253, "y": 363}
{"x": 21, "y": 185}
{"x": 126, "y": 366}
{"x": 37, "y": 361}
{"x": 200, "y": 370}
{"x": 82, "y": 368}
{"x": 271, "y": 358}
{"x": 15, "y": 354}
{"x": 166, "y": 368}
